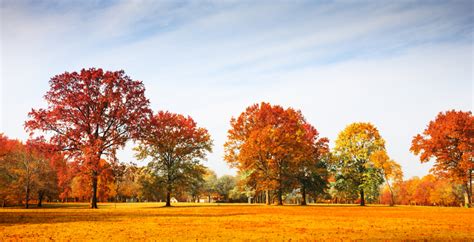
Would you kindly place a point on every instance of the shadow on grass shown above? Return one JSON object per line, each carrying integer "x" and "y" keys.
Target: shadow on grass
{"x": 205, "y": 206}
{"x": 25, "y": 217}
{"x": 16, "y": 218}
{"x": 69, "y": 213}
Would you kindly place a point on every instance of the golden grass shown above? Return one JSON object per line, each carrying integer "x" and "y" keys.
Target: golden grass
{"x": 234, "y": 222}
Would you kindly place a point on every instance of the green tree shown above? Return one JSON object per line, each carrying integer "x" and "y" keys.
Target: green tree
{"x": 354, "y": 146}
{"x": 224, "y": 186}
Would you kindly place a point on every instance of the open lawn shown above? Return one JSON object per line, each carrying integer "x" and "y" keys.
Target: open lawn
{"x": 188, "y": 221}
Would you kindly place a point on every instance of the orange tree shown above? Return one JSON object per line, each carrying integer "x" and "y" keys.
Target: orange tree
{"x": 8, "y": 161}
{"x": 175, "y": 145}
{"x": 91, "y": 114}
{"x": 391, "y": 170}
{"x": 450, "y": 140}
{"x": 268, "y": 143}
{"x": 352, "y": 163}
{"x": 311, "y": 172}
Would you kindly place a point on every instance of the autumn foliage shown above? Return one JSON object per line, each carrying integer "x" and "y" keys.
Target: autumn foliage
{"x": 276, "y": 149}
{"x": 281, "y": 157}
{"x": 355, "y": 169}
{"x": 450, "y": 140}
{"x": 91, "y": 114}
{"x": 175, "y": 145}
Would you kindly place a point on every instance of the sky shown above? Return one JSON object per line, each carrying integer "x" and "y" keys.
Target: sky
{"x": 396, "y": 64}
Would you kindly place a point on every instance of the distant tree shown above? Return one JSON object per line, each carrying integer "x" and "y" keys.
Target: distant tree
{"x": 30, "y": 171}
{"x": 443, "y": 193}
{"x": 9, "y": 150}
{"x": 91, "y": 114}
{"x": 175, "y": 145}
{"x": 391, "y": 170}
{"x": 450, "y": 140}
{"x": 429, "y": 190}
{"x": 210, "y": 182}
{"x": 194, "y": 183}
{"x": 354, "y": 146}
{"x": 131, "y": 187}
{"x": 126, "y": 183}
{"x": 224, "y": 185}
{"x": 151, "y": 186}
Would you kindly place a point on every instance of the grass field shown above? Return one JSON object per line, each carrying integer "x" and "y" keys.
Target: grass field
{"x": 216, "y": 222}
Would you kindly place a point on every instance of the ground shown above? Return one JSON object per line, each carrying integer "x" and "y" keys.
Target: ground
{"x": 186, "y": 221}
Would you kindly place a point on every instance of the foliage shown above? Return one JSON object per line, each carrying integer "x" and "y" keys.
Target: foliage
{"x": 90, "y": 114}
{"x": 429, "y": 190}
{"x": 175, "y": 145}
{"x": 225, "y": 184}
{"x": 391, "y": 170}
{"x": 352, "y": 163}
{"x": 270, "y": 144}
{"x": 450, "y": 140}
{"x": 26, "y": 170}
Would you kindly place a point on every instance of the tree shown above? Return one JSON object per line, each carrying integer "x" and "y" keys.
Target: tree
{"x": 311, "y": 171}
{"x": 429, "y": 190}
{"x": 175, "y": 145}
{"x": 210, "y": 181}
{"x": 391, "y": 170}
{"x": 450, "y": 140}
{"x": 194, "y": 183}
{"x": 354, "y": 147}
{"x": 9, "y": 150}
{"x": 27, "y": 169}
{"x": 224, "y": 185}
{"x": 130, "y": 186}
{"x": 266, "y": 141}
{"x": 91, "y": 114}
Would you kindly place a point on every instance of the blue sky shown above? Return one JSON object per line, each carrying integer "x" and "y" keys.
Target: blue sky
{"x": 395, "y": 64}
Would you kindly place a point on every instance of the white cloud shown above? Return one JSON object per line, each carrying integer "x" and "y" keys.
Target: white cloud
{"x": 394, "y": 65}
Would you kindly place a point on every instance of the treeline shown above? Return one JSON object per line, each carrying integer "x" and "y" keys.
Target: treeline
{"x": 428, "y": 191}
{"x": 35, "y": 172}
{"x": 280, "y": 157}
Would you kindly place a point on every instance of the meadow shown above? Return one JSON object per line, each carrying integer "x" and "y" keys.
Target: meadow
{"x": 190, "y": 221}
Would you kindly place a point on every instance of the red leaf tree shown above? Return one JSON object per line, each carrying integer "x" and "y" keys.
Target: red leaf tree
{"x": 175, "y": 145}
{"x": 450, "y": 140}
{"x": 91, "y": 114}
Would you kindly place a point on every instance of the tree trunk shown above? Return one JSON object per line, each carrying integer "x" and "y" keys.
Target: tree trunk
{"x": 470, "y": 186}
{"x": 209, "y": 198}
{"x": 362, "y": 199}
{"x": 467, "y": 196}
{"x": 303, "y": 194}
{"x": 168, "y": 197}
{"x": 280, "y": 197}
{"x": 3, "y": 203}
{"x": 94, "y": 191}
{"x": 40, "y": 199}
{"x": 267, "y": 197}
{"x": 27, "y": 196}
{"x": 392, "y": 199}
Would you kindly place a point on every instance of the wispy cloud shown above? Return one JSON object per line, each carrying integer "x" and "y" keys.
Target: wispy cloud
{"x": 395, "y": 64}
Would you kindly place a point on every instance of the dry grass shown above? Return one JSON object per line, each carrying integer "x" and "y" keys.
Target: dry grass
{"x": 217, "y": 222}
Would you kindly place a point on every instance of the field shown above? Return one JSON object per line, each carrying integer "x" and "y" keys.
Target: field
{"x": 216, "y": 222}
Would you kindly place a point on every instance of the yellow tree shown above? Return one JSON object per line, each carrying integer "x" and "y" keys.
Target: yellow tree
{"x": 354, "y": 147}
{"x": 391, "y": 170}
